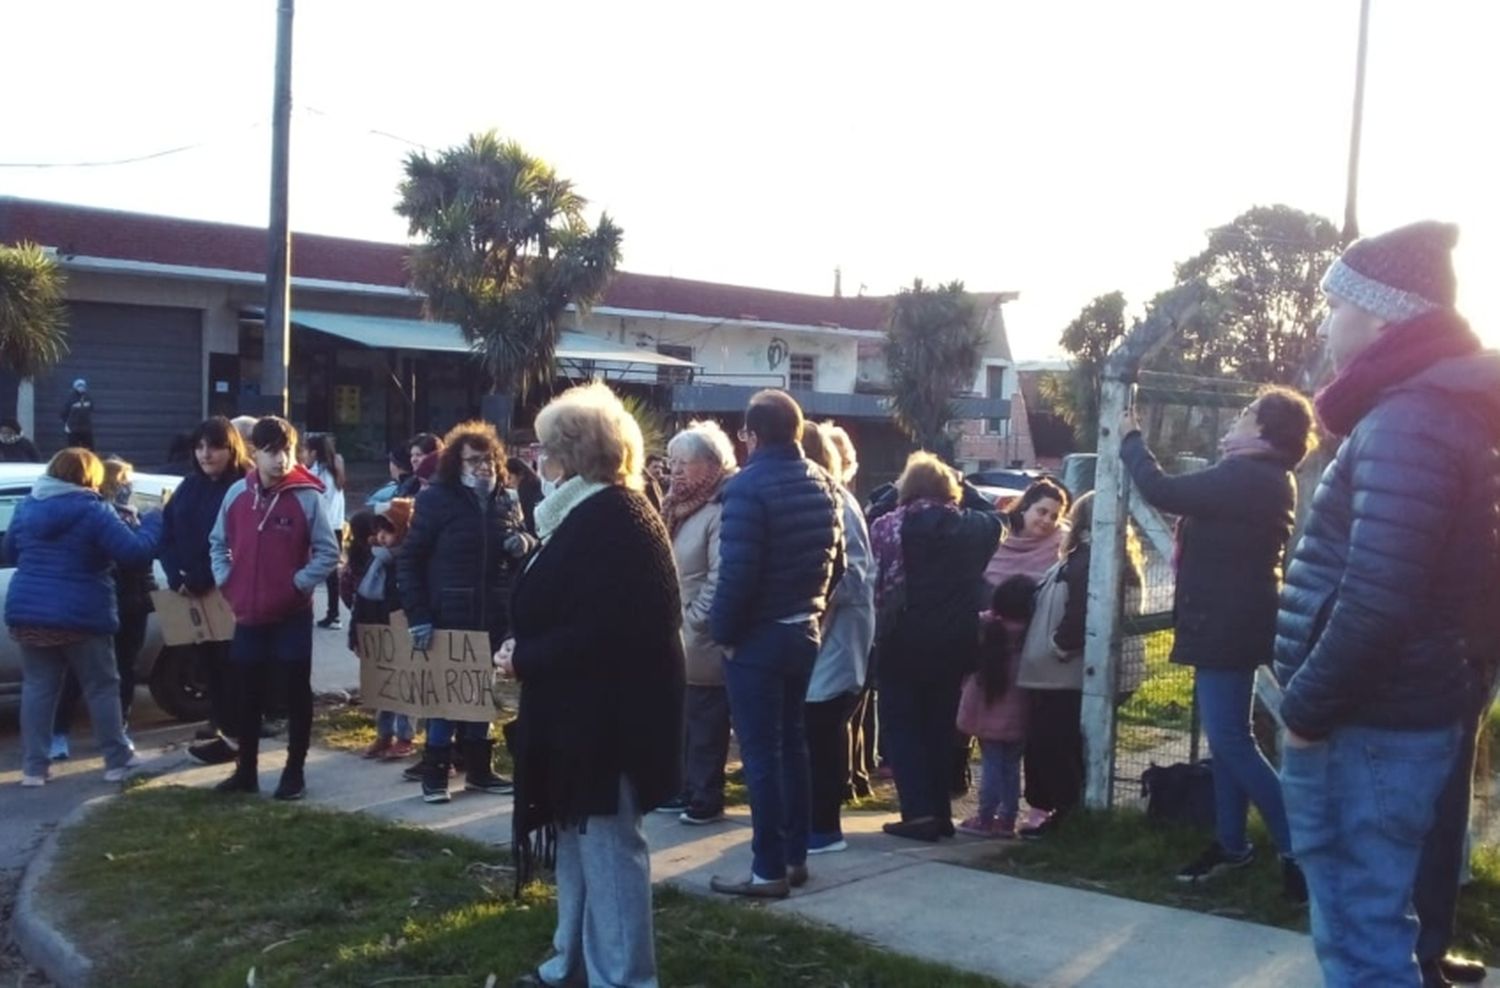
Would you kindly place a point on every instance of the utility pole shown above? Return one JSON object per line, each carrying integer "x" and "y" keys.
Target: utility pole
{"x": 273, "y": 374}
{"x": 1351, "y": 195}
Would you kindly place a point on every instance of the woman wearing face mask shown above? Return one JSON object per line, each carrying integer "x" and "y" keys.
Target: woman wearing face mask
{"x": 219, "y": 461}
{"x": 133, "y": 587}
{"x": 455, "y": 571}
{"x": 14, "y": 447}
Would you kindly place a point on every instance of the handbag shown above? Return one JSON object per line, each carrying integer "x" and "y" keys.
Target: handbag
{"x": 1180, "y": 794}
{"x": 1042, "y": 666}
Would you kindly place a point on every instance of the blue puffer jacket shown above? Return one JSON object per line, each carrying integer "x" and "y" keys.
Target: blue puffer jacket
{"x": 186, "y": 523}
{"x": 62, "y": 541}
{"x": 1388, "y": 591}
{"x": 781, "y": 543}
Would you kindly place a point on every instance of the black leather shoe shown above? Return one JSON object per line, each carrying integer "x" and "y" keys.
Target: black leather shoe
{"x": 925, "y": 829}
{"x": 240, "y": 782}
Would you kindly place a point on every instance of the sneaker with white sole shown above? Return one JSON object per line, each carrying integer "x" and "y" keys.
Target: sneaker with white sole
{"x": 124, "y": 771}
{"x": 1214, "y": 861}
{"x": 826, "y": 843}
{"x": 33, "y": 781}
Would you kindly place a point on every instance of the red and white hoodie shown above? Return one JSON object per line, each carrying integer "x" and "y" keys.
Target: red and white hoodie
{"x": 272, "y": 547}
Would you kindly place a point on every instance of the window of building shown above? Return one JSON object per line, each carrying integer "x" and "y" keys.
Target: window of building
{"x": 994, "y": 382}
{"x": 802, "y": 371}
{"x": 674, "y": 375}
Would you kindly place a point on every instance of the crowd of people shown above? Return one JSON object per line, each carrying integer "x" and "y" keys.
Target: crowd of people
{"x": 653, "y": 608}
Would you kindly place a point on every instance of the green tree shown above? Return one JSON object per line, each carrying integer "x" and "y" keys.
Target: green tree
{"x": 1089, "y": 338}
{"x": 505, "y": 250}
{"x": 33, "y": 316}
{"x": 1260, "y": 316}
{"x": 933, "y": 345}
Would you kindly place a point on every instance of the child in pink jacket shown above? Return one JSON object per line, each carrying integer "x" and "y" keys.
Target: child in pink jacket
{"x": 992, "y": 708}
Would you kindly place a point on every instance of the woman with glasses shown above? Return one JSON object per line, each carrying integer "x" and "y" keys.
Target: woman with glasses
{"x": 455, "y": 571}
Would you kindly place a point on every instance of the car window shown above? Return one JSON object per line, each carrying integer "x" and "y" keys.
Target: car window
{"x": 148, "y": 502}
{"x": 9, "y": 499}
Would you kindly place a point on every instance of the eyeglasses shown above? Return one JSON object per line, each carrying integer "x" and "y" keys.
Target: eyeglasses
{"x": 479, "y": 461}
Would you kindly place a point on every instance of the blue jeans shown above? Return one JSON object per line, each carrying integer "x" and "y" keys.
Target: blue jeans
{"x": 1360, "y": 806}
{"x": 1000, "y": 779}
{"x": 1241, "y": 773}
{"x": 389, "y": 724}
{"x": 767, "y": 682}
{"x": 92, "y": 660}
{"x": 442, "y": 732}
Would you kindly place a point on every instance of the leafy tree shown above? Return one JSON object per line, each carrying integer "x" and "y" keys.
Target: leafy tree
{"x": 505, "y": 251}
{"x": 1260, "y": 317}
{"x": 933, "y": 346}
{"x": 33, "y": 317}
{"x": 1089, "y": 338}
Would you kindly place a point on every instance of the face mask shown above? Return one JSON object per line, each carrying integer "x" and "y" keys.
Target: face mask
{"x": 549, "y": 487}
{"x": 9, "y": 439}
{"x": 481, "y": 484}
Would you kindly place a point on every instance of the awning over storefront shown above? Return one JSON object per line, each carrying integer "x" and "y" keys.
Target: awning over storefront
{"x": 391, "y": 333}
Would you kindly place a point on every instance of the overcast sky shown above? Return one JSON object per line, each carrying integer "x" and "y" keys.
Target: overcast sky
{"x": 1060, "y": 150}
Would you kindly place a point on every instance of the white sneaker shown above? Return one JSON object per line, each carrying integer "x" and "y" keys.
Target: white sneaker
{"x": 123, "y": 772}
{"x": 33, "y": 781}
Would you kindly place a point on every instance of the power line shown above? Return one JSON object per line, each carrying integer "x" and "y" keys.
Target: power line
{"x": 166, "y": 152}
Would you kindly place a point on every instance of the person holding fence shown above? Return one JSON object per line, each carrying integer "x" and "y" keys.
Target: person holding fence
{"x": 1237, "y": 517}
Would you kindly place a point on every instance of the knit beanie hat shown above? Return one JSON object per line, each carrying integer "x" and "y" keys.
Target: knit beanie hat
{"x": 1398, "y": 275}
{"x": 397, "y": 511}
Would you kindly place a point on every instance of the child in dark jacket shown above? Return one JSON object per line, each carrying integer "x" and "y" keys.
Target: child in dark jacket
{"x": 272, "y": 546}
{"x": 219, "y": 461}
{"x": 992, "y": 708}
{"x": 373, "y": 596}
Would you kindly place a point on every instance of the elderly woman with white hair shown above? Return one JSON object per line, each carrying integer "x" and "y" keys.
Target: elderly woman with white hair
{"x": 701, "y": 459}
{"x": 598, "y": 652}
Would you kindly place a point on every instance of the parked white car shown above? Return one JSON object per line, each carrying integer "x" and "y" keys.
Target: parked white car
{"x": 168, "y": 672}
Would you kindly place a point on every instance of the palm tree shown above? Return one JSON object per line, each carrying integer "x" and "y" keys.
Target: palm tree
{"x": 33, "y": 317}
{"x": 505, "y": 251}
{"x": 933, "y": 347}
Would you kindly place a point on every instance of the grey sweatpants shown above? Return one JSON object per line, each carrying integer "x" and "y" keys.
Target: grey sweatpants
{"x": 604, "y": 925}
{"x": 42, "y": 670}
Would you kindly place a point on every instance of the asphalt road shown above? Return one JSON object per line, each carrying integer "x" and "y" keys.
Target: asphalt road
{"x": 27, "y": 814}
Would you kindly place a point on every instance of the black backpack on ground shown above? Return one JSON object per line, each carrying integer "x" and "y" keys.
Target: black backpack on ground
{"x": 1181, "y": 794}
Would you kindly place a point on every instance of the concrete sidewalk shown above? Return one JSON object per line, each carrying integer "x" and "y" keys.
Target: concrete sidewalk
{"x": 915, "y": 899}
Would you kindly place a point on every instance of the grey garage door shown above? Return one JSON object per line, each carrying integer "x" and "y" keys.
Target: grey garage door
{"x": 144, "y": 365}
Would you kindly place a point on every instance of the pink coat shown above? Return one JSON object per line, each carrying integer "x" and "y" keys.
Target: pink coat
{"x": 1005, "y": 719}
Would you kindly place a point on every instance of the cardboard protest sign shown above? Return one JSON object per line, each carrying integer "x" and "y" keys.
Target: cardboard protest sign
{"x": 454, "y": 678}
{"x": 191, "y": 620}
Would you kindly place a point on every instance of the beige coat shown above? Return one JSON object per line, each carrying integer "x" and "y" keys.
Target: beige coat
{"x": 696, "y": 549}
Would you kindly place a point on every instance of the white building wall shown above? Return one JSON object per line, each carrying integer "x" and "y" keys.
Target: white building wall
{"x": 743, "y": 354}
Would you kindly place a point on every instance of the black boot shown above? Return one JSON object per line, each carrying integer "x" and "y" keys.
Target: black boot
{"x": 435, "y": 774}
{"x": 246, "y": 777}
{"x": 478, "y": 774}
{"x": 293, "y": 784}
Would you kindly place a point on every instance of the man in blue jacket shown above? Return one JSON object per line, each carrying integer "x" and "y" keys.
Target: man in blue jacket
{"x": 781, "y": 547}
{"x": 1383, "y": 640}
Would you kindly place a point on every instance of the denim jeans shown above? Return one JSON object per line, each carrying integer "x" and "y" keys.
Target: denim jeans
{"x": 917, "y": 714}
{"x": 1446, "y": 850}
{"x": 441, "y": 732}
{"x": 1000, "y": 781}
{"x": 1360, "y": 805}
{"x": 767, "y": 682}
{"x": 92, "y": 660}
{"x": 1241, "y": 773}
{"x": 389, "y": 724}
{"x": 604, "y": 924}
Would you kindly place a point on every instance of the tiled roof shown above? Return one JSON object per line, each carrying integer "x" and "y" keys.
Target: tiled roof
{"x": 92, "y": 232}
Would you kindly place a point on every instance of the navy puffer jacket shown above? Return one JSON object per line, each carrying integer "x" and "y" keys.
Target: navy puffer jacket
{"x": 781, "y": 542}
{"x": 1387, "y": 592}
{"x": 64, "y": 541}
{"x": 453, "y": 570}
{"x": 187, "y": 520}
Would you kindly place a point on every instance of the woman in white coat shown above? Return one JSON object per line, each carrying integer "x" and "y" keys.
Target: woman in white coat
{"x": 843, "y": 659}
{"x": 701, "y": 458}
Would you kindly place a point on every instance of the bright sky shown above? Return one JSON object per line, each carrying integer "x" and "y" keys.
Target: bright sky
{"x": 1060, "y": 150}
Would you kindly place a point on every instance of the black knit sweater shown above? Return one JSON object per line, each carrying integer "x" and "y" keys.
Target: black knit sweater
{"x": 599, "y": 656}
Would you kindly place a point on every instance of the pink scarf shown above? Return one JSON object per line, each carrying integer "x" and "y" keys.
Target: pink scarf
{"x": 1248, "y": 446}
{"x": 685, "y": 498}
{"x": 1024, "y": 555}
